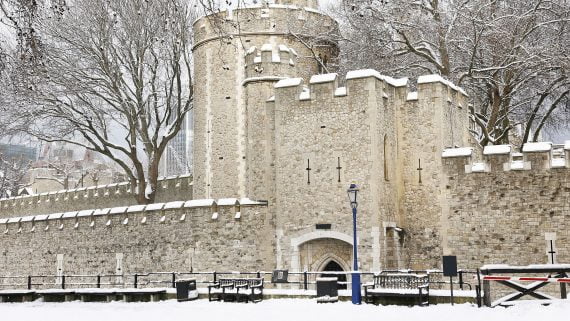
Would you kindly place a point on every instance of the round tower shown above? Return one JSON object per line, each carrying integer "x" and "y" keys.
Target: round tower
{"x": 238, "y": 56}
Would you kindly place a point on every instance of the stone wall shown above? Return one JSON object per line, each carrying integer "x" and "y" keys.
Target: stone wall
{"x": 183, "y": 238}
{"x": 432, "y": 119}
{"x": 503, "y": 211}
{"x": 170, "y": 189}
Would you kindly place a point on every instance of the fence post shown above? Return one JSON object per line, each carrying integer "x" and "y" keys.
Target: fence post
{"x": 173, "y": 279}
{"x": 461, "y": 280}
{"x": 478, "y": 295}
{"x": 63, "y": 282}
{"x": 136, "y": 281}
{"x": 215, "y": 277}
{"x": 487, "y": 293}
{"x": 29, "y": 282}
{"x": 98, "y": 281}
{"x": 258, "y": 274}
{"x": 305, "y": 285}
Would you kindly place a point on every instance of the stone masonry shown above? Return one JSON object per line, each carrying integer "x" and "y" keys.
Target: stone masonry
{"x": 276, "y": 147}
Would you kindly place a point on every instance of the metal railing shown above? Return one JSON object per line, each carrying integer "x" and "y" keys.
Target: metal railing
{"x": 305, "y": 280}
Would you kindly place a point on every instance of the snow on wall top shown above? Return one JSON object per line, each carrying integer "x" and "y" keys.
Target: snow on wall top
{"x": 567, "y": 145}
{"x": 412, "y": 96}
{"x": 497, "y": 150}
{"x": 99, "y": 190}
{"x": 356, "y": 74}
{"x": 289, "y": 82}
{"x": 457, "y": 152}
{"x": 135, "y": 209}
{"x": 323, "y": 78}
{"x": 513, "y": 162}
{"x": 537, "y": 147}
{"x": 437, "y": 78}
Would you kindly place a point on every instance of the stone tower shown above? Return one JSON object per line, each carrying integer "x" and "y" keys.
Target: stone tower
{"x": 230, "y": 89}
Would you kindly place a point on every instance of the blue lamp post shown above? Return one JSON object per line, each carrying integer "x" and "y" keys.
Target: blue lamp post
{"x": 356, "y": 295}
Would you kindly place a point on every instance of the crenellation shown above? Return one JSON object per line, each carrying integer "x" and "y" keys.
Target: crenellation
{"x": 116, "y": 194}
{"x": 498, "y": 157}
{"x": 269, "y": 61}
{"x": 501, "y": 158}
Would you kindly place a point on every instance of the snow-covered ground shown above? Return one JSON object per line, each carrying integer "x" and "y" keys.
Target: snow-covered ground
{"x": 272, "y": 310}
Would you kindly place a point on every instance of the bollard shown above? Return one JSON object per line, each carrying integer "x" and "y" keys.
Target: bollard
{"x": 98, "y": 281}
{"x": 174, "y": 279}
{"x": 305, "y": 285}
{"x": 136, "y": 285}
{"x": 29, "y": 282}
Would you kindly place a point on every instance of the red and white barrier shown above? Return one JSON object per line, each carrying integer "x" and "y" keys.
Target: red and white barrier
{"x": 527, "y": 279}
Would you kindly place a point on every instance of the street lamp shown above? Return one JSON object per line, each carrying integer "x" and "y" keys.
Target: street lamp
{"x": 356, "y": 295}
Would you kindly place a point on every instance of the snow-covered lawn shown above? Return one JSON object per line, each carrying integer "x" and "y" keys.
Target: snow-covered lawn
{"x": 272, "y": 310}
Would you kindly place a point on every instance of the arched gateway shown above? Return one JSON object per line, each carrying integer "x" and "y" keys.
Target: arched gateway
{"x": 323, "y": 251}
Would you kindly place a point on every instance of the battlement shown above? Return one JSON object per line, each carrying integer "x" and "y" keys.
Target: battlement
{"x": 327, "y": 86}
{"x": 169, "y": 189}
{"x": 125, "y": 215}
{"x": 501, "y": 158}
{"x": 270, "y": 61}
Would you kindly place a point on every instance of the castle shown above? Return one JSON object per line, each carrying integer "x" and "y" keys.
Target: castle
{"x": 275, "y": 150}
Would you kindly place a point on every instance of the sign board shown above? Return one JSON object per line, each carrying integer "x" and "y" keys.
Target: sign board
{"x": 450, "y": 266}
{"x": 280, "y": 276}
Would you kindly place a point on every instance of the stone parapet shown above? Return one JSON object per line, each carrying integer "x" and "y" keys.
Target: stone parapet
{"x": 499, "y": 158}
{"x": 118, "y": 194}
{"x": 269, "y": 61}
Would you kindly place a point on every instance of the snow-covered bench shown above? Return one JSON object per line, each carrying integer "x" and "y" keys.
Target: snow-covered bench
{"x": 401, "y": 285}
{"x": 236, "y": 290}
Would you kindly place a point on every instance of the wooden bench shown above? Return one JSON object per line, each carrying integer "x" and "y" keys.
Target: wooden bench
{"x": 398, "y": 286}
{"x": 238, "y": 290}
{"x": 17, "y": 295}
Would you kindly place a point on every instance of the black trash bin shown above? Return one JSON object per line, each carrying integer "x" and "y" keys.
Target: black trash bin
{"x": 327, "y": 290}
{"x": 186, "y": 290}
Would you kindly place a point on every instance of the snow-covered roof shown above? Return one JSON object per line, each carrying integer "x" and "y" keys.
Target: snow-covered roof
{"x": 289, "y": 82}
{"x": 437, "y": 78}
{"x": 497, "y": 150}
{"x": 364, "y": 73}
{"x": 412, "y": 96}
{"x": 272, "y": 98}
{"x": 537, "y": 147}
{"x": 199, "y": 203}
{"x": 457, "y": 152}
{"x": 324, "y": 78}
{"x": 283, "y": 48}
{"x": 173, "y": 205}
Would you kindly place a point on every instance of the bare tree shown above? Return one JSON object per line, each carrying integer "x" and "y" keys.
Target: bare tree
{"x": 115, "y": 79}
{"x": 511, "y": 56}
{"x": 12, "y": 173}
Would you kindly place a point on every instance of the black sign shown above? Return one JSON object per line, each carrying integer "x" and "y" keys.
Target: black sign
{"x": 450, "y": 266}
{"x": 279, "y": 276}
{"x": 323, "y": 226}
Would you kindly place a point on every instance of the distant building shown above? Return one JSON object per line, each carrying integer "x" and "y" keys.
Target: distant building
{"x": 15, "y": 151}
